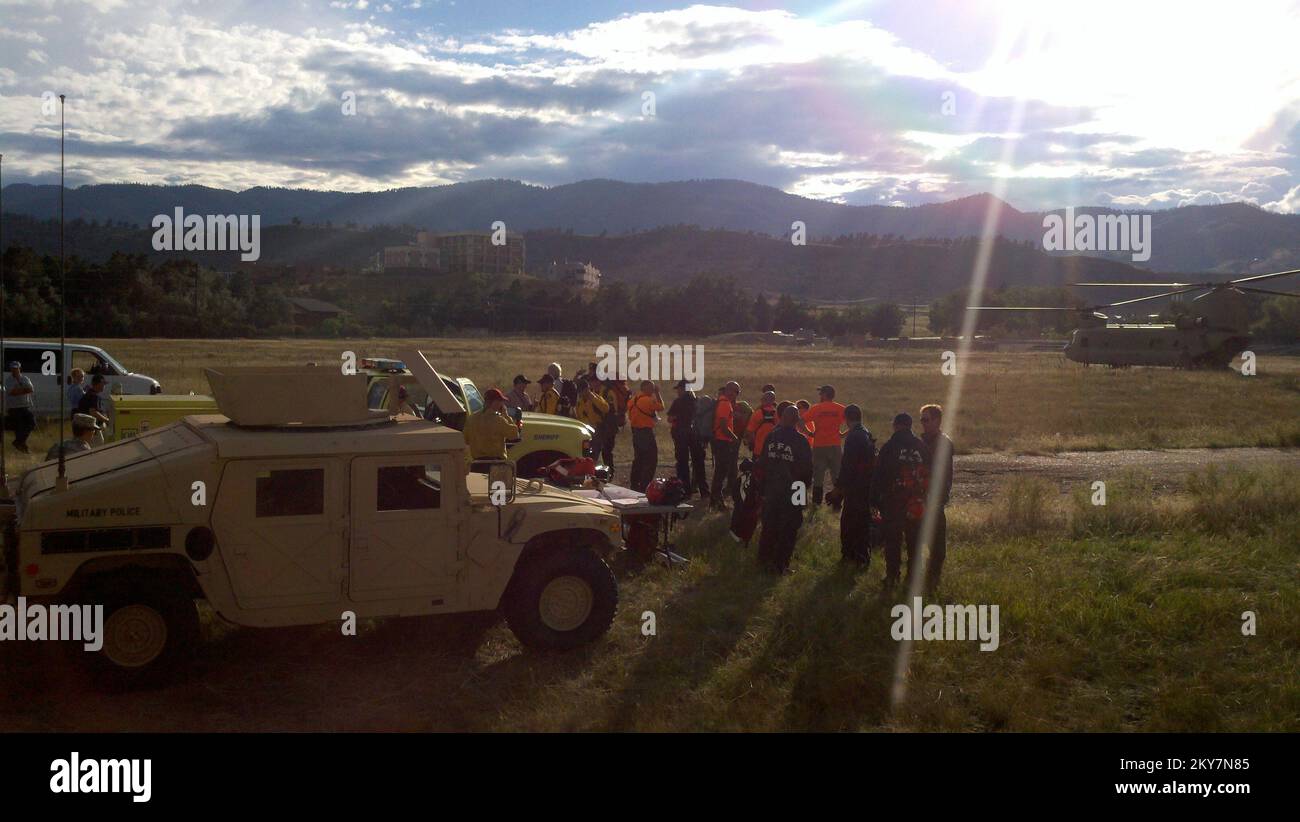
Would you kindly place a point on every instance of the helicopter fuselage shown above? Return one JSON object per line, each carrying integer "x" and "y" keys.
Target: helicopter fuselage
{"x": 1166, "y": 345}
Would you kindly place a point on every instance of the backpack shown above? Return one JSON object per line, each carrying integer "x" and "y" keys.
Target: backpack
{"x": 703, "y": 422}
{"x": 568, "y": 398}
{"x": 914, "y": 480}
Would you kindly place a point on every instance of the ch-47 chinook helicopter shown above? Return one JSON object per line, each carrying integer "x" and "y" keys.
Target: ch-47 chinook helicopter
{"x": 1208, "y": 334}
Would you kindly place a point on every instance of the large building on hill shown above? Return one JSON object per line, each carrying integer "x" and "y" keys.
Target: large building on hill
{"x": 474, "y": 253}
{"x": 456, "y": 253}
{"x": 580, "y": 275}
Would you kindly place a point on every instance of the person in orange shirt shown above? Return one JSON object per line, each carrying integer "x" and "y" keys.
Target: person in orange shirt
{"x": 827, "y": 423}
{"x": 805, "y": 422}
{"x": 761, "y": 422}
{"x": 725, "y": 447}
{"x": 642, "y": 413}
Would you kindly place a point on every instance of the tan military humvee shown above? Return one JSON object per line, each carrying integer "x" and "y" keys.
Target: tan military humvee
{"x": 294, "y": 506}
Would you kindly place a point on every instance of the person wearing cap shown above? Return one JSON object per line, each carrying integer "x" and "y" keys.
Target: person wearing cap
{"x": 940, "y": 472}
{"x": 784, "y": 461}
{"x": 898, "y": 465}
{"x": 518, "y": 396}
{"x": 642, "y": 414}
{"x": 548, "y": 402}
{"x": 92, "y": 403}
{"x": 761, "y": 422}
{"x": 20, "y": 397}
{"x": 853, "y": 489}
{"x": 688, "y": 448}
{"x": 826, "y": 419}
{"x": 84, "y": 428}
{"x": 726, "y": 448}
{"x": 591, "y": 407}
{"x": 488, "y": 431}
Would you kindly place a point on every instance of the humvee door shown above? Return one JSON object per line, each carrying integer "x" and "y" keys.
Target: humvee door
{"x": 404, "y": 535}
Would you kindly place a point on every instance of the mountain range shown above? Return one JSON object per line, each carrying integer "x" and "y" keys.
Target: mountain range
{"x": 1217, "y": 239}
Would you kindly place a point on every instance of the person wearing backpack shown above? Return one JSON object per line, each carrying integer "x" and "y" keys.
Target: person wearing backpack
{"x": 642, "y": 414}
{"x": 688, "y": 447}
{"x": 898, "y": 487}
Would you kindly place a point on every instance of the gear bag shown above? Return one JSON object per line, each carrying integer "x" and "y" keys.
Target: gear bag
{"x": 703, "y": 422}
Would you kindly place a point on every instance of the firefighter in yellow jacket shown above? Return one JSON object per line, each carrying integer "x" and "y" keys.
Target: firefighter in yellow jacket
{"x": 488, "y": 431}
{"x": 549, "y": 400}
{"x": 592, "y": 407}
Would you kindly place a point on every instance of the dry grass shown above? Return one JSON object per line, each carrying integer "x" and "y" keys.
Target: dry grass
{"x": 1018, "y": 402}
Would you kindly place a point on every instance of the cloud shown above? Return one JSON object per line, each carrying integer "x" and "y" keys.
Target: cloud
{"x": 249, "y": 94}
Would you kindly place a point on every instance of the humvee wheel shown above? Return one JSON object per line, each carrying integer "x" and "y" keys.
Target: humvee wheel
{"x": 148, "y": 632}
{"x": 134, "y": 636}
{"x": 565, "y": 603}
{"x": 562, "y": 600}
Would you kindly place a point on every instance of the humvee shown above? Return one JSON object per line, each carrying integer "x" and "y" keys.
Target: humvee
{"x": 279, "y": 512}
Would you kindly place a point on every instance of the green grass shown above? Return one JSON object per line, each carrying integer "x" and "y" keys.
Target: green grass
{"x": 1123, "y": 618}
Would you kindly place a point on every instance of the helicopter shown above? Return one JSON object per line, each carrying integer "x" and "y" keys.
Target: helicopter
{"x": 1208, "y": 335}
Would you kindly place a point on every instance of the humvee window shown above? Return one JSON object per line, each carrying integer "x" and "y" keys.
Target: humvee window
{"x": 408, "y": 488}
{"x": 297, "y": 492}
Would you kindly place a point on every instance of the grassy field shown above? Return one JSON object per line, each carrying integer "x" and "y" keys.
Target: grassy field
{"x": 1126, "y": 617}
{"x": 1018, "y": 402}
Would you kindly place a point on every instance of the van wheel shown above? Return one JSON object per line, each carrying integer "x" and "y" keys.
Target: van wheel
{"x": 148, "y": 634}
{"x": 562, "y": 600}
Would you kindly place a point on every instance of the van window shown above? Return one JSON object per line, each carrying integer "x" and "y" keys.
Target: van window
{"x": 295, "y": 492}
{"x": 408, "y": 487}
{"x": 30, "y": 358}
{"x": 91, "y": 364}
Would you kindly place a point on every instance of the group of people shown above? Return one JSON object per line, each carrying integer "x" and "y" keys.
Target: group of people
{"x": 798, "y": 451}
{"x": 85, "y": 403}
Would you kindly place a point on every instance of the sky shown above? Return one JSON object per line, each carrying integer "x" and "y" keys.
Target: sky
{"x": 1119, "y": 103}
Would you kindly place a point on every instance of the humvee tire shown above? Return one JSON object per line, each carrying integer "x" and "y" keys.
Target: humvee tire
{"x": 562, "y": 599}
{"x": 150, "y": 630}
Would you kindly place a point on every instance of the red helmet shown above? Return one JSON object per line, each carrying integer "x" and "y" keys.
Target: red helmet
{"x": 669, "y": 491}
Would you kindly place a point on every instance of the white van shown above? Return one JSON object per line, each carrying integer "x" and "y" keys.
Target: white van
{"x": 90, "y": 359}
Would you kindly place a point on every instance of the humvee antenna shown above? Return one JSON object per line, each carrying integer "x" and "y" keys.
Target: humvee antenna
{"x": 4, "y": 409}
{"x": 61, "y": 483}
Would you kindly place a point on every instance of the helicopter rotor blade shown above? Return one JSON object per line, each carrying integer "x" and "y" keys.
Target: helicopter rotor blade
{"x": 1267, "y": 291}
{"x": 1145, "y": 285}
{"x": 1027, "y": 308}
{"x": 1260, "y": 277}
{"x": 1153, "y": 297}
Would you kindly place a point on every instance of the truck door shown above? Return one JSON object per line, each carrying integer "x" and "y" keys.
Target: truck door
{"x": 405, "y": 534}
{"x": 280, "y": 528}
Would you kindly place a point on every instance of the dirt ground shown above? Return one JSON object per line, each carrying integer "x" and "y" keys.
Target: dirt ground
{"x": 978, "y": 476}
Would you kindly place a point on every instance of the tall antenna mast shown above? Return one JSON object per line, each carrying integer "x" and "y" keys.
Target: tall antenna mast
{"x": 4, "y": 405}
{"x": 61, "y": 483}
